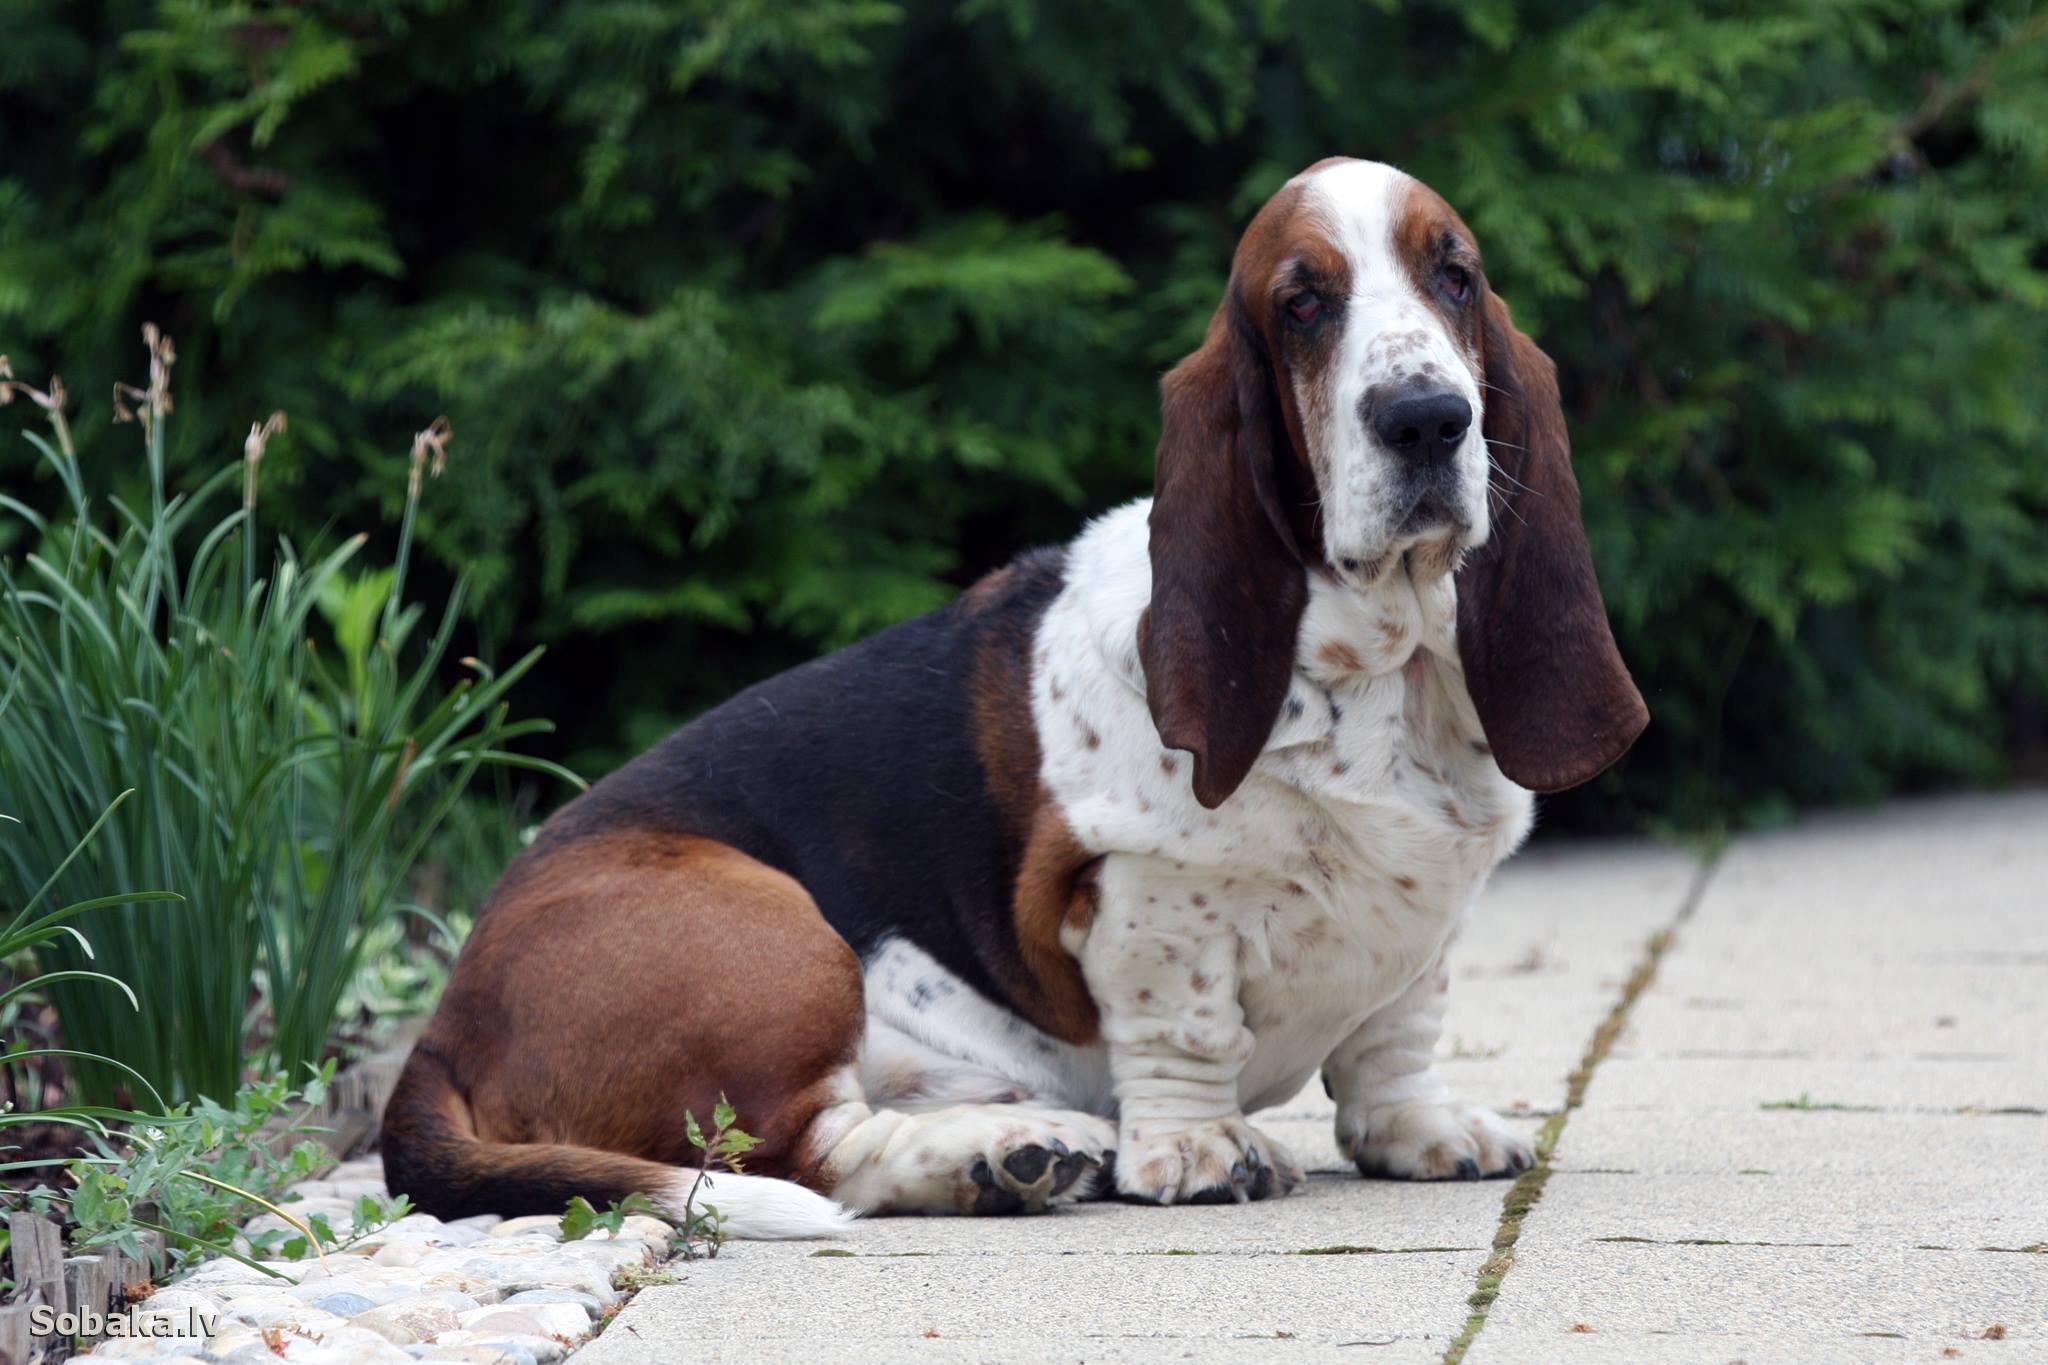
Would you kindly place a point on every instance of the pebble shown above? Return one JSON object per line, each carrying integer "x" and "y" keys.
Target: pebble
{"x": 534, "y": 1222}
{"x": 481, "y": 1355}
{"x": 482, "y": 1290}
{"x": 420, "y": 1318}
{"x": 587, "y": 1302}
{"x": 538, "y": 1349}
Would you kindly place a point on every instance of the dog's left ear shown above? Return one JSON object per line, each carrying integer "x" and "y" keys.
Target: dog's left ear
{"x": 1555, "y": 699}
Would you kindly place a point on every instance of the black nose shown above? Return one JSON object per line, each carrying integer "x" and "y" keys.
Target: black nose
{"x": 1426, "y": 427}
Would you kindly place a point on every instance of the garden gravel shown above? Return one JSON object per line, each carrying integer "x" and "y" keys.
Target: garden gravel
{"x": 489, "y": 1291}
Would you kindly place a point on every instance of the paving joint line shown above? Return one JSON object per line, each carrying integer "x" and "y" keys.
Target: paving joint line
{"x": 1523, "y": 1195}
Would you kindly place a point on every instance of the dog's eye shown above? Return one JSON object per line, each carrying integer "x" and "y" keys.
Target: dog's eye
{"x": 1305, "y": 307}
{"x": 1455, "y": 280}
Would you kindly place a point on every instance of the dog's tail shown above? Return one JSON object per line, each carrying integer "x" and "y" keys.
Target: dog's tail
{"x": 432, "y": 1154}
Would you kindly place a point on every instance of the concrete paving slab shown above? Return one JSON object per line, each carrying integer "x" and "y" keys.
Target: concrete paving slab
{"x": 1595, "y": 1347}
{"x": 1802, "y": 1142}
{"x": 1331, "y": 1211}
{"x": 1786, "y": 1295}
{"x": 1044, "y": 1308}
{"x": 1666, "y": 1024}
{"x": 1978, "y": 1211}
{"x": 1537, "y": 969}
{"x": 1794, "y": 1150}
{"x": 1900, "y": 1085}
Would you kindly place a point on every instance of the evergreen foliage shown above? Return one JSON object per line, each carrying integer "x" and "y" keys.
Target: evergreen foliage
{"x": 767, "y": 322}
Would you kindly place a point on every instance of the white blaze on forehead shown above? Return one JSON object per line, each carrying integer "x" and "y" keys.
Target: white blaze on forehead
{"x": 1391, "y": 335}
{"x": 1358, "y": 204}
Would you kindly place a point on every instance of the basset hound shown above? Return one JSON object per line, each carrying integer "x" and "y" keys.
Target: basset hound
{"x": 1039, "y": 896}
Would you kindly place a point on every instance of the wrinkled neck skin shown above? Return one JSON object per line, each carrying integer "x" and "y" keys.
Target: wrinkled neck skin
{"x": 1376, "y": 746}
{"x": 1379, "y": 717}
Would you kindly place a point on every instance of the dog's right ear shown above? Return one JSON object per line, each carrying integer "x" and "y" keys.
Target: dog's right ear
{"x": 1228, "y": 584}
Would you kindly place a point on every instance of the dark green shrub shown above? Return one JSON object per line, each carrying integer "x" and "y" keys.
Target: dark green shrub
{"x": 769, "y": 323}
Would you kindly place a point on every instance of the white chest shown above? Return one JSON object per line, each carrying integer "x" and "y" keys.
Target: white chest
{"x": 1333, "y": 876}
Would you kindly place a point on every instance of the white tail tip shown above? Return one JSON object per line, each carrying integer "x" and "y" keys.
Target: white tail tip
{"x": 758, "y": 1209}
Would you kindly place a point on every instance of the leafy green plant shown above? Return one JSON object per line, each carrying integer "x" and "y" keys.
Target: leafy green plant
{"x": 286, "y": 785}
{"x": 582, "y": 1218}
{"x": 31, "y": 931}
{"x": 702, "y": 1231}
{"x": 195, "y": 1174}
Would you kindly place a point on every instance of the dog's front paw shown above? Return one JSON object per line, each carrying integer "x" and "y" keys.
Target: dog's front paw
{"x": 1431, "y": 1142}
{"x": 1215, "y": 1161}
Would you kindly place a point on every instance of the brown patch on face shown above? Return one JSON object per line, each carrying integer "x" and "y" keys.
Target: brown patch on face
{"x": 1429, "y": 236}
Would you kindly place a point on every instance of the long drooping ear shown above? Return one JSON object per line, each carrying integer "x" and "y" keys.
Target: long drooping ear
{"x": 1228, "y": 586}
{"x": 1553, "y": 695}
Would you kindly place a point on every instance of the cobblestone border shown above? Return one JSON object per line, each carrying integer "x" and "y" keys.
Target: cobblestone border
{"x": 484, "y": 1290}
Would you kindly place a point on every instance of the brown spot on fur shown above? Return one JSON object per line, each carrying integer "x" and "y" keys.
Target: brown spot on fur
{"x": 1054, "y": 874}
{"x": 1055, "y": 886}
{"x": 1167, "y": 764}
{"x": 1341, "y": 656}
{"x": 1406, "y": 883}
{"x": 1198, "y": 900}
{"x": 1200, "y": 983}
{"x": 987, "y": 589}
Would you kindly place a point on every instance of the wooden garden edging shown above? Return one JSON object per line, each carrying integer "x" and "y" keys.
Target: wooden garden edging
{"x": 98, "y": 1281}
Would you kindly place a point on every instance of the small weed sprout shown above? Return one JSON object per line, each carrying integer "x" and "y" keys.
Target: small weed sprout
{"x": 703, "y": 1227}
{"x": 726, "y": 1146}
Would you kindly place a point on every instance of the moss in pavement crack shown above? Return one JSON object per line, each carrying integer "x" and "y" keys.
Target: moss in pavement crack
{"x": 1528, "y": 1187}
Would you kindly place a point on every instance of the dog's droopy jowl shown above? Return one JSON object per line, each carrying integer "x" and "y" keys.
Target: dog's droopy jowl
{"x": 1046, "y": 894}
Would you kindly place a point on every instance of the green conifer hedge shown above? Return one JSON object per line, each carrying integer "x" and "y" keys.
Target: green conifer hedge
{"x": 763, "y": 323}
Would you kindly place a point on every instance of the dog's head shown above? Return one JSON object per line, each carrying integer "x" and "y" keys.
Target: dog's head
{"x": 1362, "y": 394}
